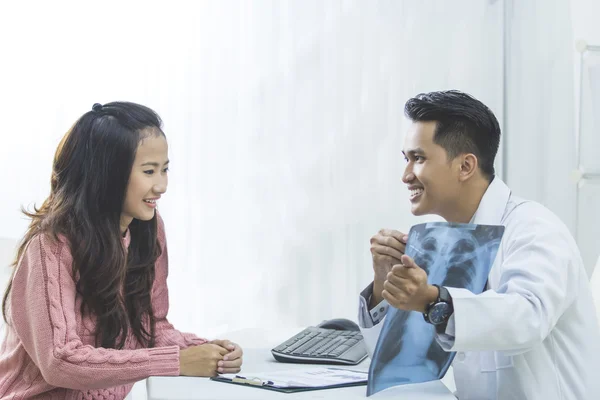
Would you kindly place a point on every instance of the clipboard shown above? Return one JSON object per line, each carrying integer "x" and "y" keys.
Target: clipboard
{"x": 306, "y": 379}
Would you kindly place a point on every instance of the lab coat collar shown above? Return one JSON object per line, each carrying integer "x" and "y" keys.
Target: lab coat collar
{"x": 493, "y": 204}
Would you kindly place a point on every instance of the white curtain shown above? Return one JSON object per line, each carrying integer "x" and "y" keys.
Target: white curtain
{"x": 292, "y": 158}
{"x": 587, "y": 89}
{"x": 541, "y": 112}
{"x": 540, "y": 104}
{"x": 588, "y": 189}
{"x": 285, "y": 124}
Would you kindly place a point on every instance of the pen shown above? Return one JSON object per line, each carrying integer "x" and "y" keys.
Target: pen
{"x": 251, "y": 381}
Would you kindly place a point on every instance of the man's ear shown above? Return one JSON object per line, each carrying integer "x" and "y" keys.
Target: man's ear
{"x": 468, "y": 166}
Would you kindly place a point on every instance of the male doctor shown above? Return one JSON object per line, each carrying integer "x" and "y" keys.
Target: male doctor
{"x": 533, "y": 335}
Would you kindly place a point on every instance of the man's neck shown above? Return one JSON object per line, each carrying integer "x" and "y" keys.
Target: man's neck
{"x": 470, "y": 198}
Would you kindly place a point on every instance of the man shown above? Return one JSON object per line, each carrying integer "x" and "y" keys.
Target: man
{"x": 533, "y": 334}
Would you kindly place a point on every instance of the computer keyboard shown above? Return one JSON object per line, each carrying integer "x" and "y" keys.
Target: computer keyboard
{"x": 322, "y": 346}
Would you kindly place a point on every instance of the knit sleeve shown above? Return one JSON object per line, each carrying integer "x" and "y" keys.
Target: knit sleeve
{"x": 166, "y": 334}
{"x": 43, "y": 314}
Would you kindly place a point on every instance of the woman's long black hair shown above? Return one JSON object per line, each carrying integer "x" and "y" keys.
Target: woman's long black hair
{"x": 89, "y": 181}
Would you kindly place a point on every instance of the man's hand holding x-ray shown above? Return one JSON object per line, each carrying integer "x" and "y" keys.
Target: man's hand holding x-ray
{"x": 387, "y": 247}
{"x": 406, "y": 286}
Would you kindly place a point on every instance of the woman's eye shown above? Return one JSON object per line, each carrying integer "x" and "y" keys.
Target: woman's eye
{"x": 149, "y": 171}
{"x": 166, "y": 170}
{"x": 419, "y": 158}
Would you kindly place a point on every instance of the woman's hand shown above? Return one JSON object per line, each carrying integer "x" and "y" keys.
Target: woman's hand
{"x": 201, "y": 360}
{"x": 232, "y": 361}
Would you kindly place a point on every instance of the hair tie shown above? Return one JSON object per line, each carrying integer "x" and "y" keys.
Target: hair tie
{"x": 97, "y": 107}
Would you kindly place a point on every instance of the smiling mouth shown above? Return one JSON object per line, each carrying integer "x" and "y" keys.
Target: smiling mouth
{"x": 416, "y": 193}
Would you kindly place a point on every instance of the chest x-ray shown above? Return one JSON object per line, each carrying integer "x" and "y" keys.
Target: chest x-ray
{"x": 453, "y": 255}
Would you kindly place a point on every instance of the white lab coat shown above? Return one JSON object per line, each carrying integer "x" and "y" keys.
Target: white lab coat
{"x": 534, "y": 335}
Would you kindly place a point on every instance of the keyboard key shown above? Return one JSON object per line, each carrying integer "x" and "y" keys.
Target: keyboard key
{"x": 318, "y": 346}
{"x": 300, "y": 343}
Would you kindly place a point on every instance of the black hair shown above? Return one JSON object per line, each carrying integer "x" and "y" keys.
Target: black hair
{"x": 463, "y": 125}
{"x": 88, "y": 185}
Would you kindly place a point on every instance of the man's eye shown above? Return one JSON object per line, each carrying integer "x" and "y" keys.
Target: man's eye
{"x": 149, "y": 171}
{"x": 419, "y": 158}
{"x": 166, "y": 169}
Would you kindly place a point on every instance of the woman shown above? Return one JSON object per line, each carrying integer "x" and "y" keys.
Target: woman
{"x": 87, "y": 303}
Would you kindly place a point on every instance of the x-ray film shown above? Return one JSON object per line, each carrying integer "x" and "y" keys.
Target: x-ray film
{"x": 453, "y": 255}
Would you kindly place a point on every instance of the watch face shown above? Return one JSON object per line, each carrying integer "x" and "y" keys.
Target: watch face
{"x": 439, "y": 313}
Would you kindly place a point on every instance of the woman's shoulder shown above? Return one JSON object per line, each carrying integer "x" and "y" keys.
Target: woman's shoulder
{"x": 48, "y": 242}
{"x": 160, "y": 228}
{"x": 159, "y": 221}
{"x": 49, "y": 248}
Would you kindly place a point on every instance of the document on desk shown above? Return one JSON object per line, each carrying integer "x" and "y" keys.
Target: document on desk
{"x": 296, "y": 380}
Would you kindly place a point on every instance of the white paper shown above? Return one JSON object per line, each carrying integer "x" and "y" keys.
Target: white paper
{"x": 313, "y": 377}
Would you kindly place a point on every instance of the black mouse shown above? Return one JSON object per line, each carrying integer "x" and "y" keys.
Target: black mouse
{"x": 339, "y": 324}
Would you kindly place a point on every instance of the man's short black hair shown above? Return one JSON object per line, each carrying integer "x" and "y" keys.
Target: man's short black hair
{"x": 464, "y": 125}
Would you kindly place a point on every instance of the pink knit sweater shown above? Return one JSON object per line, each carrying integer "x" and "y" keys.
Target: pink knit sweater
{"x": 49, "y": 351}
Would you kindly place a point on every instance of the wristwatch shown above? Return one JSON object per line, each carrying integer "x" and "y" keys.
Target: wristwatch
{"x": 438, "y": 312}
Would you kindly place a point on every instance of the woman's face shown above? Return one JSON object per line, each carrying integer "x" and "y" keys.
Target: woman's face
{"x": 148, "y": 179}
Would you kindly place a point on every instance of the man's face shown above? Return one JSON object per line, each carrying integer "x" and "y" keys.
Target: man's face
{"x": 432, "y": 179}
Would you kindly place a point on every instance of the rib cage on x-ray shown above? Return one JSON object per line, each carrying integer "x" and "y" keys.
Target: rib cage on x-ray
{"x": 453, "y": 255}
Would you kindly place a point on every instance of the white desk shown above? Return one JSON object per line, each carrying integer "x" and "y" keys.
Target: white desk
{"x": 259, "y": 360}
